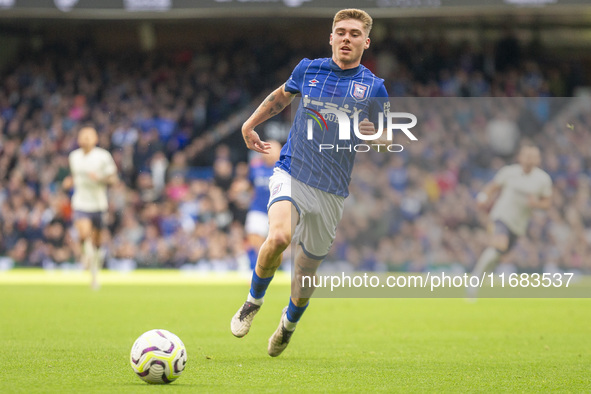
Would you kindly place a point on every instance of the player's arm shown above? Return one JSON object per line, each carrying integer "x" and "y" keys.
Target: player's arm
{"x": 540, "y": 202}
{"x": 488, "y": 194}
{"x": 543, "y": 199}
{"x": 109, "y": 169}
{"x": 379, "y": 106}
{"x": 108, "y": 180}
{"x": 68, "y": 183}
{"x": 271, "y": 106}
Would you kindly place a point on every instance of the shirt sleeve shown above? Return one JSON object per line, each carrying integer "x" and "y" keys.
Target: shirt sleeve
{"x": 547, "y": 187}
{"x": 294, "y": 83}
{"x": 380, "y": 103}
{"x": 110, "y": 167}
{"x": 501, "y": 177}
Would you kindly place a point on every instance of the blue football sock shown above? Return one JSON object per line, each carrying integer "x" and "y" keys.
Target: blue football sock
{"x": 252, "y": 256}
{"x": 258, "y": 286}
{"x": 294, "y": 313}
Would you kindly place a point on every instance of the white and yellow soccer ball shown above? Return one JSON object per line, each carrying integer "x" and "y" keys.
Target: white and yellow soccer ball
{"x": 158, "y": 356}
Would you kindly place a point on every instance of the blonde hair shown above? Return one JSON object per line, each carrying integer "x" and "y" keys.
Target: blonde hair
{"x": 354, "y": 13}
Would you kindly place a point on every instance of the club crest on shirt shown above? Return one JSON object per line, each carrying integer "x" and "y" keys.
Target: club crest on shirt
{"x": 359, "y": 90}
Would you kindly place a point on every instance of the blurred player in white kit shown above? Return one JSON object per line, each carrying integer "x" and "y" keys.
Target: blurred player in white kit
{"x": 92, "y": 170}
{"x": 523, "y": 187}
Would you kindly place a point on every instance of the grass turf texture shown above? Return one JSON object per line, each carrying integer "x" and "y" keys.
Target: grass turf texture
{"x": 67, "y": 338}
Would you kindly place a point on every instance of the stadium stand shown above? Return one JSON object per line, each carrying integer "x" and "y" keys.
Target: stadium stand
{"x": 172, "y": 120}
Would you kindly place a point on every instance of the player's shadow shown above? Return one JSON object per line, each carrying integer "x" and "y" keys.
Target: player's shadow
{"x": 162, "y": 386}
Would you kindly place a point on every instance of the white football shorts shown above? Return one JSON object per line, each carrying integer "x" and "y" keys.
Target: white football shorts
{"x": 320, "y": 212}
{"x": 257, "y": 222}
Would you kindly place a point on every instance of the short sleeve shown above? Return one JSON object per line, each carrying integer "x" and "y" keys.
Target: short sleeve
{"x": 110, "y": 167}
{"x": 546, "y": 187}
{"x": 501, "y": 177}
{"x": 380, "y": 103}
{"x": 294, "y": 83}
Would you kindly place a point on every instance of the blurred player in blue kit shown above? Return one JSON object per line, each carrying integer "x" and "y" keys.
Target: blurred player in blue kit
{"x": 257, "y": 220}
{"x": 309, "y": 185}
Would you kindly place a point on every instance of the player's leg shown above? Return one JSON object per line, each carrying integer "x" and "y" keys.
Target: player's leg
{"x": 83, "y": 224}
{"x": 257, "y": 228}
{"x": 98, "y": 243}
{"x": 99, "y": 220}
{"x": 97, "y": 260}
{"x": 318, "y": 231}
{"x": 305, "y": 266}
{"x": 283, "y": 217}
{"x": 255, "y": 242}
{"x": 501, "y": 242}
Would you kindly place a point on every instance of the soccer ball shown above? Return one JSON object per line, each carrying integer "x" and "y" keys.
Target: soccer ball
{"x": 158, "y": 356}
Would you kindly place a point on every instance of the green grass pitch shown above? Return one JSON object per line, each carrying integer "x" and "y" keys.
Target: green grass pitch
{"x": 66, "y": 338}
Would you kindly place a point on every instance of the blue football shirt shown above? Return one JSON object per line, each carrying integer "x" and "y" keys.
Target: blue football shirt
{"x": 323, "y": 84}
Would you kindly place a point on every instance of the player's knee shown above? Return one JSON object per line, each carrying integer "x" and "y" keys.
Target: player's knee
{"x": 84, "y": 234}
{"x": 502, "y": 249}
{"x": 501, "y": 244}
{"x": 96, "y": 235}
{"x": 84, "y": 228}
{"x": 278, "y": 240}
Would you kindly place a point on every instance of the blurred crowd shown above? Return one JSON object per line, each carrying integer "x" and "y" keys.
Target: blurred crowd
{"x": 416, "y": 211}
{"x": 171, "y": 122}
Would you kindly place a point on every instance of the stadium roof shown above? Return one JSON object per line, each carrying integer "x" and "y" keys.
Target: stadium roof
{"x": 183, "y": 9}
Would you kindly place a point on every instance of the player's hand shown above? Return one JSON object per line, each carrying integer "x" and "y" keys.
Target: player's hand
{"x": 254, "y": 142}
{"x": 532, "y": 201}
{"x": 68, "y": 183}
{"x": 93, "y": 176}
{"x": 482, "y": 201}
{"x": 484, "y": 206}
{"x": 366, "y": 127}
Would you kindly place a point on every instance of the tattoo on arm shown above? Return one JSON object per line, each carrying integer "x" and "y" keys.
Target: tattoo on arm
{"x": 266, "y": 103}
{"x": 276, "y": 108}
{"x": 271, "y": 106}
